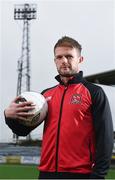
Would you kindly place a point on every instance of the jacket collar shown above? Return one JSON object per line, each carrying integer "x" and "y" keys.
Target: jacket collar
{"x": 77, "y": 78}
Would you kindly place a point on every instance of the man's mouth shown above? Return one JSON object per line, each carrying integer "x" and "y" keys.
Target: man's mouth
{"x": 64, "y": 67}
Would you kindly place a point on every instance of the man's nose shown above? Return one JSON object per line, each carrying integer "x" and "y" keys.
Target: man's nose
{"x": 64, "y": 59}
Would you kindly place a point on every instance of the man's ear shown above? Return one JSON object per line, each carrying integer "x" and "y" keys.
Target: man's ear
{"x": 81, "y": 59}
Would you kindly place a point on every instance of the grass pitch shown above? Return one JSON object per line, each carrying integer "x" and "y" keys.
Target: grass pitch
{"x": 13, "y": 171}
{"x": 29, "y": 172}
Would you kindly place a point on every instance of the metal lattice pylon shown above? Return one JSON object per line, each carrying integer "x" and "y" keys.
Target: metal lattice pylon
{"x": 25, "y": 12}
{"x": 23, "y": 83}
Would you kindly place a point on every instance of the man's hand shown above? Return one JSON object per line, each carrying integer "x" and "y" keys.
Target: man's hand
{"x": 19, "y": 110}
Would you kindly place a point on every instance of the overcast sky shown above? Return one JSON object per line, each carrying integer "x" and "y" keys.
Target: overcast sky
{"x": 92, "y": 23}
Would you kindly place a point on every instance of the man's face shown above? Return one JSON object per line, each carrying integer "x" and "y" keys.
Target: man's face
{"x": 67, "y": 60}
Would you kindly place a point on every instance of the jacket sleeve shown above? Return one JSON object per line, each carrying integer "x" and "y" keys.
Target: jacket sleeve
{"x": 17, "y": 128}
{"x": 103, "y": 134}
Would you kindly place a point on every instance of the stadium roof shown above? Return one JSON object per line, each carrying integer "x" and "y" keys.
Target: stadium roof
{"x": 106, "y": 78}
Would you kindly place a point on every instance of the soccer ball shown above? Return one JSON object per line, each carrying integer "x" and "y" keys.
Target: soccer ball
{"x": 40, "y": 110}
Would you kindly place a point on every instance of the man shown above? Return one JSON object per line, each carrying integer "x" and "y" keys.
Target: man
{"x": 78, "y": 133}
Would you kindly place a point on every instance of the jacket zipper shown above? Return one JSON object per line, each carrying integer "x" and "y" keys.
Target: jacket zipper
{"x": 58, "y": 130}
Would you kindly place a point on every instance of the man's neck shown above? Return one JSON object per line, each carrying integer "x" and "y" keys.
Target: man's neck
{"x": 65, "y": 79}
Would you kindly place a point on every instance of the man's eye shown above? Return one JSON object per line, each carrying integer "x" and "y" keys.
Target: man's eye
{"x": 59, "y": 57}
{"x": 69, "y": 57}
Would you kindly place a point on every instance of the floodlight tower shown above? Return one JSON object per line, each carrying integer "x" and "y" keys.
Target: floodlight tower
{"x": 24, "y": 12}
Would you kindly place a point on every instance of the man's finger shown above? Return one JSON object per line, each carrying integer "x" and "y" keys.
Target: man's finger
{"x": 22, "y": 118}
{"x": 24, "y": 114}
{"x": 27, "y": 103}
{"x": 25, "y": 108}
